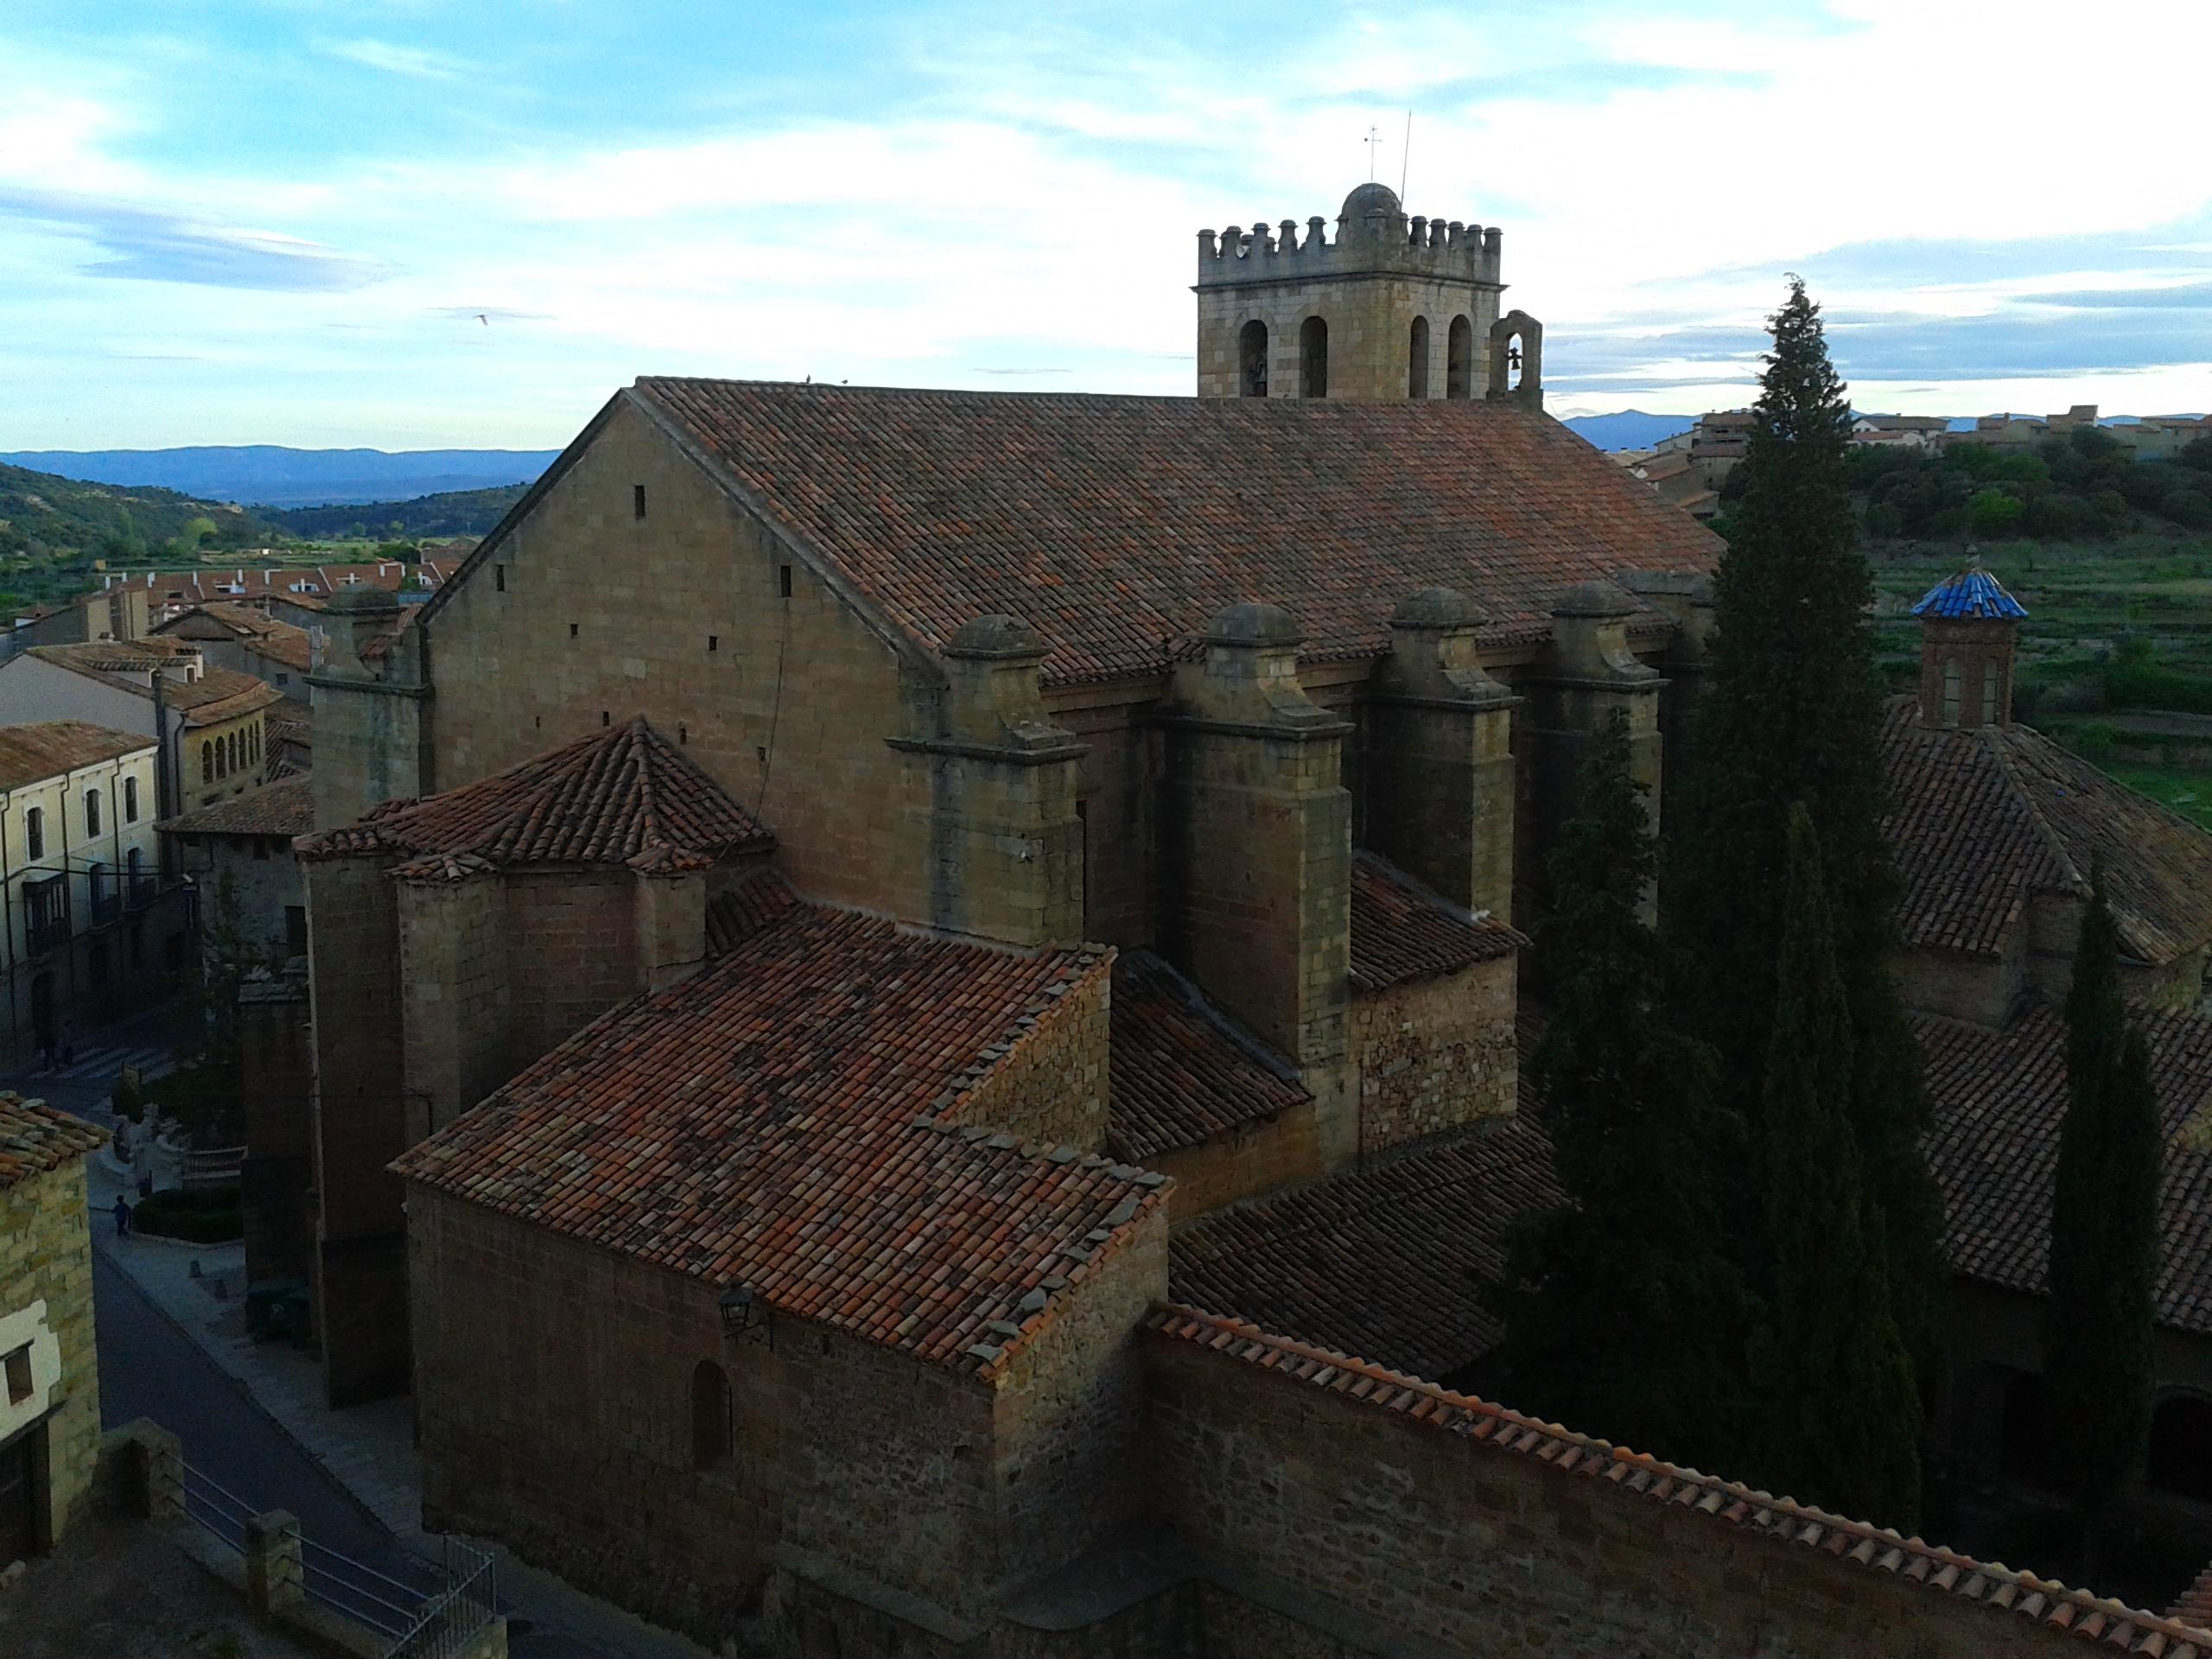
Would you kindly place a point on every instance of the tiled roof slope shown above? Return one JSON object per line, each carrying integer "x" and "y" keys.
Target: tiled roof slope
{"x": 622, "y": 795}
{"x": 777, "y": 1121}
{"x": 50, "y": 748}
{"x": 34, "y": 1137}
{"x": 1390, "y": 1261}
{"x": 2005, "y": 1592}
{"x": 2196, "y": 1606}
{"x": 257, "y": 630}
{"x": 1981, "y": 820}
{"x": 276, "y": 808}
{"x": 218, "y": 694}
{"x": 1117, "y": 526}
{"x": 1970, "y": 594}
{"x": 1400, "y": 931}
{"x": 1182, "y": 1073}
{"x": 1999, "y": 1099}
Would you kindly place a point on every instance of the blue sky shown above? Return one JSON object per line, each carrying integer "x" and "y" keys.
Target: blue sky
{"x": 281, "y": 220}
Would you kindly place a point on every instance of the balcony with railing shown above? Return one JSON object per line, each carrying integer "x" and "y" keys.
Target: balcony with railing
{"x": 107, "y": 896}
{"x": 46, "y": 915}
{"x": 139, "y": 891}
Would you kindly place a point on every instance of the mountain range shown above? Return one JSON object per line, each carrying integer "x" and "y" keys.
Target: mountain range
{"x": 263, "y": 474}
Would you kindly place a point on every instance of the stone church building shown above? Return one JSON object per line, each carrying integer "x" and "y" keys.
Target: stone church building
{"x": 915, "y": 1012}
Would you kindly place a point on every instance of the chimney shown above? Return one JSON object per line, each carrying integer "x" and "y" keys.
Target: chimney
{"x": 1969, "y": 635}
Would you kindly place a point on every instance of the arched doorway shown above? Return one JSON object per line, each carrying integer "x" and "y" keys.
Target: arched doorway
{"x": 1459, "y": 359}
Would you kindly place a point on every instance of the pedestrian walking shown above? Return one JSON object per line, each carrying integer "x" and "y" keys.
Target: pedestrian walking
{"x": 122, "y": 1214}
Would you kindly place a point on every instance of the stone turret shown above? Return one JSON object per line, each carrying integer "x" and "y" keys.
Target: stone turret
{"x": 1969, "y": 636}
{"x": 1394, "y": 307}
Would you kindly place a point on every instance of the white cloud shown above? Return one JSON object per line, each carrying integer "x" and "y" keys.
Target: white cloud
{"x": 419, "y": 61}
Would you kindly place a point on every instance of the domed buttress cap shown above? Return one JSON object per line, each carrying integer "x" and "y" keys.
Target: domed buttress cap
{"x": 1254, "y": 622}
{"x": 995, "y": 635}
{"x": 1595, "y": 599}
{"x": 1438, "y": 607}
{"x": 1370, "y": 198}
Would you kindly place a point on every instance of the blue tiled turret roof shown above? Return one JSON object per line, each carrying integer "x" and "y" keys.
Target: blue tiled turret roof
{"x": 1971, "y": 593}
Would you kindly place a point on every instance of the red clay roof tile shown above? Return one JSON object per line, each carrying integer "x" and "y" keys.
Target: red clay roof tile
{"x": 779, "y": 1121}
{"x": 35, "y": 1137}
{"x": 621, "y": 796}
{"x": 1401, "y": 931}
{"x": 1182, "y": 1073}
{"x": 285, "y": 808}
{"x": 31, "y": 753}
{"x": 1115, "y": 526}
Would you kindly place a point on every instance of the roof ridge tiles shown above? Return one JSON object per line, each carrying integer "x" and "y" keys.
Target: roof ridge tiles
{"x": 1669, "y": 1483}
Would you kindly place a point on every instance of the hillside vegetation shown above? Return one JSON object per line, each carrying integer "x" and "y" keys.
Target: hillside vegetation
{"x": 456, "y": 513}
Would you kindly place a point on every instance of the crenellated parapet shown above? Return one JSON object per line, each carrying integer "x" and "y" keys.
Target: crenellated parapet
{"x": 1383, "y": 239}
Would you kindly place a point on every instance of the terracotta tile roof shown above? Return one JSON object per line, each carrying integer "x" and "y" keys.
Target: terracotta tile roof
{"x": 1401, "y": 931}
{"x": 34, "y": 1137}
{"x": 256, "y": 630}
{"x": 292, "y": 583}
{"x": 1981, "y": 820}
{"x": 1999, "y": 1099}
{"x": 1877, "y": 1549}
{"x": 1182, "y": 1073}
{"x": 284, "y": 809}
{"x": 779, "y": 1122}
{"x": 2196, "y": 1606}
{"x": 620, "y": 796}
{"x": 1390, "y": 1260}
{"x": 1115, "y": 526}
{"x": 757, "y": 900}
{"x": 218, "y": 694}
{"x": 29, "y": 755}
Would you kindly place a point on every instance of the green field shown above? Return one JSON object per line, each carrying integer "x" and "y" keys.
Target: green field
{"x": 2187, "y": 792}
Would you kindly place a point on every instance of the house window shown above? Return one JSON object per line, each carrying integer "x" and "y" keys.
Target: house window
{"x": 92, "y": 811}
{"x": 130, "y": 800}
{"x": 1314, "y": 358}
{"x": 15, "y": 1366}
{"x": 1460, "y": 360}
{"x": 295, "y": 929}
{"x": 34, "y": 832}
{"x": 637, "y": 501}
{"x": 1252, "y": 360}
{"x": 1417, "y": 359}
{"x": 712, "y": 1431}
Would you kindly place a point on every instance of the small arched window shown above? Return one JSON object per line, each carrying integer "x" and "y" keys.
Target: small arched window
{"x": 1460, "y": 360}
{"x": 1417, "y": 359}
{"x": 1252, "y": 360}
{"x": 237, "y": 751}
{"x": 130, "y": 800}
{"x": 34, "y": 832}
{"x": 712, "y": 1431}
{"x": 222, "y": 758}
{"x": 92, "y": 811}
{"x": 207, "y": 763}
{"x": 257, "y": 745}
{"x": 1314, "y": 358}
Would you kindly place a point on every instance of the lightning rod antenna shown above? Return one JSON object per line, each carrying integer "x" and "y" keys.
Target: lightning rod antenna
{"x": 1405, "y": 155}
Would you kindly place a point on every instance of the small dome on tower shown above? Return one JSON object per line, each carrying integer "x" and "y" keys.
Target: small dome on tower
{"x": 1370, "y": 198}
{"x": 1971, "y": 593}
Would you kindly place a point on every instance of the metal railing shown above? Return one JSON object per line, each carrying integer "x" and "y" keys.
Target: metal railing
{"x": 220, "y": 1513}
{"x": 45, "y": 933}
{"x": 457, "y": 1615}
{"x": 140, "y": 890}
{"x": 387, "y": 1605}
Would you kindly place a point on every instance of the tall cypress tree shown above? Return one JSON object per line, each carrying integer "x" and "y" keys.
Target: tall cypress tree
{"x": 1623, "y": 1311}
{"x": 1792, "y": 712}
{"x": 2099, "y": 1367}
{"x": 1841, "y": 1411}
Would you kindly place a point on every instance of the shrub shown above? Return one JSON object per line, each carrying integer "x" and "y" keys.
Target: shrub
{"x": 207, "y": 1214}
{"x": 2191, "y": 508}
{"x": 1992, "y": 513}
{"x": 2094, "y": 741}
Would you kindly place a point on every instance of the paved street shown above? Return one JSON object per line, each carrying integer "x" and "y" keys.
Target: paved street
{"x": 173, "y": 1348}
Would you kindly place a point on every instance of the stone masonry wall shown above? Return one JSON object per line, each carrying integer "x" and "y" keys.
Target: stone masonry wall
{"x": 680, "y": 616}
{"x": 454, "y": 953}
{"x": 572, "y": 955}
{"x": 1068, "y": 1463}
{"x": 46, "y": 1256}
{"x": 1485, "y": 1551}
{"x": 1370, "y": 332}
{"x": 1435, "y": 1053}
{"x": 1264, "y": 1155}
{"x": 1053, "y": 1086}
{"x": 553, "y": 1392}
{"x": 1951, "y": 984}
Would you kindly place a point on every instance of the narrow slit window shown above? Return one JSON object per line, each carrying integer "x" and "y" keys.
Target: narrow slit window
{"x": 499, "y": 578}
{"x": 637, "y": 501}
{"x": 783, "y": 581}
{"x": 714, "y": 642}
{"x": 572, "y": 630}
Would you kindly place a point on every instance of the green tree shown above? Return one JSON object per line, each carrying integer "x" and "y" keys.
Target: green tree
{"x": 2098, "y": 1363}
{"x": 1792, "y": 712}
{"x": 1842, "y": 1407}
{"x": 1992, "y": 513}
{"x": 1624, "y": 1313}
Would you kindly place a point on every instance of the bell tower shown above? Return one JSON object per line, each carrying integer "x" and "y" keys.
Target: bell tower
{"x": 1392, "y": 307}
{"x": 1969, "y": 635}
